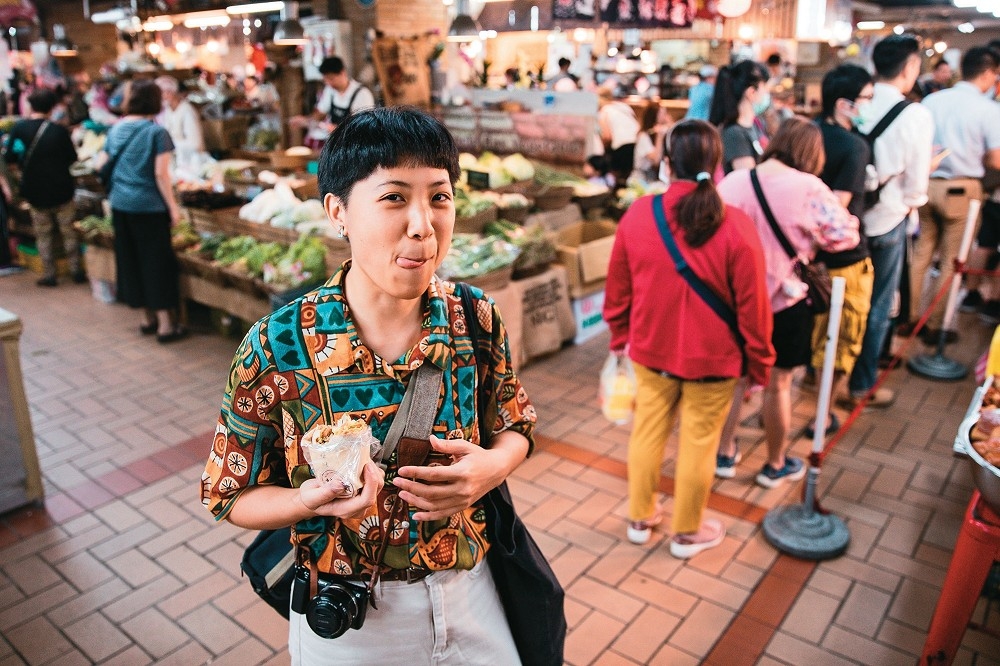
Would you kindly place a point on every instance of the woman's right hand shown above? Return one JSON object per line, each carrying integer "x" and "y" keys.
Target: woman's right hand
{"x": 322, "y": 500}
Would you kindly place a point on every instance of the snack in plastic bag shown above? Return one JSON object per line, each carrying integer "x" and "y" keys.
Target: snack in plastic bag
{"x": 618, "y": 388}
{"x": 337, "y": 454}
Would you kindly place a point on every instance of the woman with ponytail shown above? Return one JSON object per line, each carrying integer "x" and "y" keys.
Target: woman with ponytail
{"x": 686, "y": 358}
{"x": 741, "y": 96}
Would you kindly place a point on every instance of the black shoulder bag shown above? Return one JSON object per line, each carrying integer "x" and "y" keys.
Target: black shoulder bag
{"x": 528, "y": 588}
{"x": 711, "y": 299}
{"x": 813, "y": 274}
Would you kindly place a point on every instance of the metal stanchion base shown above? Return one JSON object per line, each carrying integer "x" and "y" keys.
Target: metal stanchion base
{"x": 806, "y": 533}
{"x": 937, "y": 366}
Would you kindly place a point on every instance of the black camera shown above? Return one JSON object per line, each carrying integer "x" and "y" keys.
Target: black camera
{"x": 339, "y": 604}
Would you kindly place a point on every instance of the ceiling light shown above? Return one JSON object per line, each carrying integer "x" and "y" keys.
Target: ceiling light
{"x": 733, "y": 8}
{"x": 965, "y": 3}
{"x": 464, "y": 28}
{"x": 255, "y": 8}
{"x": 206, "y": 20}
{"x": 899, "y": 30}
{"x": 966, "y": 28}
{"x": 61, "y": 46}
{"x": 289, "y": 31}
{"x": 940, "y": 47}
{"x": 111, "y": 16}
{"x": 158, "y": 24}
{"x": 871, "y": 25}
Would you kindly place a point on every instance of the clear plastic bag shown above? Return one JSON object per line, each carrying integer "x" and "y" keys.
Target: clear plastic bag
{"x": 338, "y": 454}
{"x": 618, "y": 389}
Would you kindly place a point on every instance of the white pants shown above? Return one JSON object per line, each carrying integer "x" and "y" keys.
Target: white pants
{"x": 450, "y": 617}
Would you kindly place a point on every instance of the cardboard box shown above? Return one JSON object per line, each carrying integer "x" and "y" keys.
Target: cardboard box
{"x": 584, "y": 248}
{"x": 546, "y": 318}
{"x": 587, "y": 313}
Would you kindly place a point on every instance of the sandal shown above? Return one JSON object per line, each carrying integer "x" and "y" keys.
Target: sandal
{"x": 176, "y": 334}
{"x": 148, "y": 329}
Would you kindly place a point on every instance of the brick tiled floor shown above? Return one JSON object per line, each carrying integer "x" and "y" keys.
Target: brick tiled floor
{"x": 124, "y": 566}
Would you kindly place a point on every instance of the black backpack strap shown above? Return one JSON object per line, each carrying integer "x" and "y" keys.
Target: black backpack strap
{"x": 778, "y": 233}
{"x": 887, "y": 119}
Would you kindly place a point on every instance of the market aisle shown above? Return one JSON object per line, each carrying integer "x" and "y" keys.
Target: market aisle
{"x": 123, "y": 567}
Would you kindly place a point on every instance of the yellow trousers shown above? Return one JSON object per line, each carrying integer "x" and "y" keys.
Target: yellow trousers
{"x": 703, "y": 409}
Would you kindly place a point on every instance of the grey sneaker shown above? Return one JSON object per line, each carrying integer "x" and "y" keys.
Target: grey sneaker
{"x": 793, "y": 470}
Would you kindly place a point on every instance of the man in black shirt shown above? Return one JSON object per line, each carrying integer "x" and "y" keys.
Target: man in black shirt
{"x": 44, "y": 152}
{"x": 846, "y": 91}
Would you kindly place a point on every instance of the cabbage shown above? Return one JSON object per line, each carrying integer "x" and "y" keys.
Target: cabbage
{"x": 467, "y": 161}
{"x": 518, "y": 167}
{"x": 499, "y": 177}
{"x": 488, "y": 161}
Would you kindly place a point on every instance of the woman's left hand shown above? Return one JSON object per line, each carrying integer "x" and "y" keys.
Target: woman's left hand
{"x": 441, "y": 491}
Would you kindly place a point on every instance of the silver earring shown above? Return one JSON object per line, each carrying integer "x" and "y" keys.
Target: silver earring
{"x": 341, "y": 231}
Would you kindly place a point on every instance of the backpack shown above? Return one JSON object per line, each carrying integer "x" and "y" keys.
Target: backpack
{"x": 873, "y": 186}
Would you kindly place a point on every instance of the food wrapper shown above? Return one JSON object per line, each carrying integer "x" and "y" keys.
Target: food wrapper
{"x": 337, "y": 454}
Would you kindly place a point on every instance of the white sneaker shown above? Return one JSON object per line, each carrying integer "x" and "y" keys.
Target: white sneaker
{"x": 639, "y": 531}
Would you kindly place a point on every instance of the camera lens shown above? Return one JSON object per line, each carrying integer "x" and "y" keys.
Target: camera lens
{"x": 331, "y": 612}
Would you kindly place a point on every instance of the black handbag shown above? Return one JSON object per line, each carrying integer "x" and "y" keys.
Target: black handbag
{"x": 528, "y": 588}
{"x": 269, "y": 563}
{"x": 814, "y": 274}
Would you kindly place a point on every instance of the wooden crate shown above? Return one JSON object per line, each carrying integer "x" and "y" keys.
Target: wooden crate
{"x": 248, "y": 307}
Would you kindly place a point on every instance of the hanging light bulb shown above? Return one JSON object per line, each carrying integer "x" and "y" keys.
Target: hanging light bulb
{"x": 464, "y": 28}
{"x": 289, "y": 31}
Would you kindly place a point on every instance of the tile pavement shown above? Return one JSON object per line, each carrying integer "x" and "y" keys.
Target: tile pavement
{"x": 123, "y": 565}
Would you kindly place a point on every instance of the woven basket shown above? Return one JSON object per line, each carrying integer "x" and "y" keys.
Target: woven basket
{"x": 517, "y": 215}
{"x": 192, "y": 264}
{"x": 592, "y": 201}
{"x": 552, "y": 198}
{"x": 476, "y": 223}
{"x": 492, "y": 281}
{"x": 244, "y": 282}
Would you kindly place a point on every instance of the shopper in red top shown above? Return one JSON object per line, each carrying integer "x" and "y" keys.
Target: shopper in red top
{"x": 686, "y": 358}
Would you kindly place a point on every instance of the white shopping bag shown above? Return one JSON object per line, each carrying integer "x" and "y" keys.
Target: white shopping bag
{"x": 618, "y": 388}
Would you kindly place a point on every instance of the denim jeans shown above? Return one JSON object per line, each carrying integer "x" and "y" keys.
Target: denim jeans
{"x": 450, "y": 618}
{"x": 887, "y": 259}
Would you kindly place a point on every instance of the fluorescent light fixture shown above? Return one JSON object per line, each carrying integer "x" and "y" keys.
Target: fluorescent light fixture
{"x": 207, "y": 21}
{"x": 111, "y": 16}
{"x": 158, "y": 24}
{"x": 871, "y": 25}
{"x": 255, "y": 8}
{"x": 966, "y": 28}
{"x": 965, "y": 3}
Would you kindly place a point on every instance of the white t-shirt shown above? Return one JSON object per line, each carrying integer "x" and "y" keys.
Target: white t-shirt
{"x": 330, "y": 98}
{"x": 621, "y": 120}
{"x": 184, "y": 126}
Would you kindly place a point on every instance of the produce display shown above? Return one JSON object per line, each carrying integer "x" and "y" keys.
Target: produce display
{"x": 95, "y": 225}
{"x": 635, "y": 189}
{"x": 472, "y": 255}
{"x": 279, "y": 207}
{"x": 550, "y": 177}
{"x": 502, "y": 171}
{"x": 536, "y": 245}
{"x": 208, "y": 199}
{"x": 469, "y": 202}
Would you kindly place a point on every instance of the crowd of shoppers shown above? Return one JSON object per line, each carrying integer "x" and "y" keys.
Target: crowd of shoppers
{"x": 875, "y": 172}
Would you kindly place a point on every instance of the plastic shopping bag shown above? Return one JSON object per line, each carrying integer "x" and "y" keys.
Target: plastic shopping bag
{"x": 618, "y": 388}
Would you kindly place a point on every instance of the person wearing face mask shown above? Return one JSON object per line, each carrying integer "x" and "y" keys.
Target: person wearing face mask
{"x": 741, "y": 95}
{"x": 967, "y": 133}
{"x": 846, "y": 94}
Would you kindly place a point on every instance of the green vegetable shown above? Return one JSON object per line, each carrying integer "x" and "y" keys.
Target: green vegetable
{"x": 261, "y": 254}
{"x": 471, "y": 255}
{"x": 94, "y": 225}
{"x": 233, "y": 249}
{"x": 303, "y": 263}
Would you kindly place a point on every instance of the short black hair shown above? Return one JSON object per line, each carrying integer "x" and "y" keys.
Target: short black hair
{"x": 774, "y": 59}
{"x": 891, "y": 54}
{"x": 843, "y": 82}
{"x": 940, "y": 62}
{"x": 564, "y": 62}
{"x": 977, "y": 60}
{"x": 142, "y": 98}
{"x": 383, "y": 138}
{"x": 331, "y": 65}
{"x": 43, "y": 100}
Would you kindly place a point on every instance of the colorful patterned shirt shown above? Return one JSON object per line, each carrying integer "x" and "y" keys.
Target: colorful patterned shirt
{"x": 304, "y": 365}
